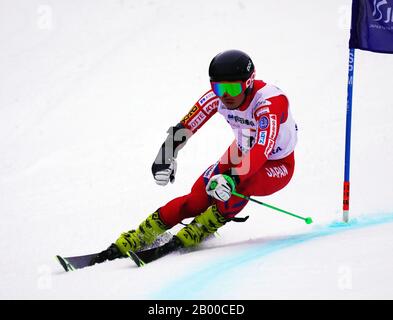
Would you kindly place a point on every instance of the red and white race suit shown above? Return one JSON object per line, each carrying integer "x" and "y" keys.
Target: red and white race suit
{"x": 261, "y": 156}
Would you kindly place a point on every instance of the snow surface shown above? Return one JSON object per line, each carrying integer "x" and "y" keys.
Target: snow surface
{"x": 88, "y": 90}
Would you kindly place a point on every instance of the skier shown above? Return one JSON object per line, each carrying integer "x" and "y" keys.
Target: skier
{"x": 259, "y": 162}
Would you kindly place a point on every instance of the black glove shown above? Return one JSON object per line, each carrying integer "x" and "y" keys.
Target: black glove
{"x": 164, "y": 166}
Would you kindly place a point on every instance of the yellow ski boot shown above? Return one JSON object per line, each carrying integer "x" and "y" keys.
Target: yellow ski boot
{"x": 144, "y": 235}
{"x": 202, "y": 226}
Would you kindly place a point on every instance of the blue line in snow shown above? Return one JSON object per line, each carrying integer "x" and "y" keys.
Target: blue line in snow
{"x": 192, "y": 285}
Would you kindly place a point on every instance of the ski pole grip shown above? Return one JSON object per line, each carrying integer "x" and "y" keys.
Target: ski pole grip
{"x": 213, "y": 185}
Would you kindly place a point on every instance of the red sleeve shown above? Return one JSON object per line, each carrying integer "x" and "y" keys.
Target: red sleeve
{"x": 268, "y": 127}
{"x": 201, "y": 112}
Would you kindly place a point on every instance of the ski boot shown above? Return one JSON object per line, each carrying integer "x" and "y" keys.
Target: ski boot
{"x": 111, "y": 253}
{"x": 144, "y": 235}
{"x": 201, "y": 227}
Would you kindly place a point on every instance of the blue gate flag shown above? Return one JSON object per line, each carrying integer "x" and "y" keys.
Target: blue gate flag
{"x": 372, "y": 25}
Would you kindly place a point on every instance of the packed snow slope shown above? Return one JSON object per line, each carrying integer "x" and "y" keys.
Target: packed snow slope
{"x": 87, "y": 92}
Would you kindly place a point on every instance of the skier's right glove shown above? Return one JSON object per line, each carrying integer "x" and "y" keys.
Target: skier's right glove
{"x": 163, "y": 173}
{"x": 164, "y": 166}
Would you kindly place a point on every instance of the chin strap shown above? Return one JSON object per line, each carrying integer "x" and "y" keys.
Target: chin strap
{"x": 249, "y": 90}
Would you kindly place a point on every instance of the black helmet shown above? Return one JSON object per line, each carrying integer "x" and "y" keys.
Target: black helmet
{"x": 231, "y": 65}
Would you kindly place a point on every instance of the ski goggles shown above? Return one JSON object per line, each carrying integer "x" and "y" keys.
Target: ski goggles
{"x": 232, "y": 88}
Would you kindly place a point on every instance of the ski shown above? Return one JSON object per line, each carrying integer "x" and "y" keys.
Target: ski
{"x": 73, "y": 263}
{"x": 146, "y": 256}
{"x": 77, "y": 262}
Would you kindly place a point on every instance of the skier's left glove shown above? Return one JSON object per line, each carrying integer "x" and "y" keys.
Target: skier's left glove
{"x": 220, "y": 187}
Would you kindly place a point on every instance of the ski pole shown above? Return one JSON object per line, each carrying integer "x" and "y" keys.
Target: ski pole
{"x": 308, "y": 220}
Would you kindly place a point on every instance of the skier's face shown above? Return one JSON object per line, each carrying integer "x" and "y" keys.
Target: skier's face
{"x": 232, "y": 103}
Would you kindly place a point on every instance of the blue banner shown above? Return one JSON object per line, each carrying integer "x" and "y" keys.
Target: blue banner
{"x": 372, "y": 25}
